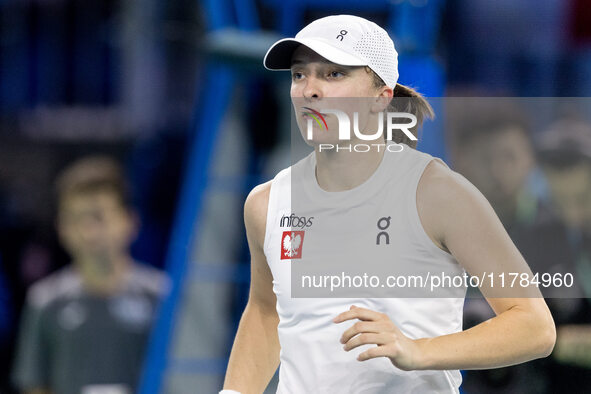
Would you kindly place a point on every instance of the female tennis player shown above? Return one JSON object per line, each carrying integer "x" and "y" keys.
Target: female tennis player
{"x": 405, "y": 207}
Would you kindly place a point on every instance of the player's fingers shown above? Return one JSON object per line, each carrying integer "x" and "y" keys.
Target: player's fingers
{"x": 374, "y": 352}
{"x": 358, "y": 313}
{"x": 360, "y": 327}
{"x": 381, "y": 338}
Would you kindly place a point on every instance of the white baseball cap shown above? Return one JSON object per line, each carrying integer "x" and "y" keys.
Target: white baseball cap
{"x": 347, "y": 40}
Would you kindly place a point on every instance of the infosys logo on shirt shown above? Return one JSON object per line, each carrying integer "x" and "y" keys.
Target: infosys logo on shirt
{"x": 295, "y": 221}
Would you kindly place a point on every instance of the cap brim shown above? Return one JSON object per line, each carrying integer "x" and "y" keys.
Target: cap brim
{"x": 278, "y": 57}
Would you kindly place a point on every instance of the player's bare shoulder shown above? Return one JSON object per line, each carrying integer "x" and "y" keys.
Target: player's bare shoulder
{"x": 441, "y": 187}
{"x": 437, "y": 175}
{"x": 255, "y": 212}
{"x": 440, "y": 192}
{"x": 444, "y": 197}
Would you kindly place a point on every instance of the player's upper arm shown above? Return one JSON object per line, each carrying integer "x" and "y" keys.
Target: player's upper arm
{"x": 456, "y": 214}
{"x": 255, "y": 220}
{"x": 460, "y": 220}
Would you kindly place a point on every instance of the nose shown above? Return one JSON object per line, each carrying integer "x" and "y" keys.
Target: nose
{"x": 312, "y": 88}
{"x": 90, "y": 233}
{"x": 91, "y": 230}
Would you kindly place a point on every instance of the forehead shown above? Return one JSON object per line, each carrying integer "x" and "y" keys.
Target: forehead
{"x": 99, "y": 199}
{"x": 509, "y": 136}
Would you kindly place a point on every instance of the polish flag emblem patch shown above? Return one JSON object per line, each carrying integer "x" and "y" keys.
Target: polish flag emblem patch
{"x": 291, "y": 245}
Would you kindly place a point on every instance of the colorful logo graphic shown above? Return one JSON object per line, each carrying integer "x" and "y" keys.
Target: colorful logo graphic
{"x": 317, "y": 116}
{"x": 291, "y": 245}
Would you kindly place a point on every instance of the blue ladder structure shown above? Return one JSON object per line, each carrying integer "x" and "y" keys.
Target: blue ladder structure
{"x": 236, "y": 38}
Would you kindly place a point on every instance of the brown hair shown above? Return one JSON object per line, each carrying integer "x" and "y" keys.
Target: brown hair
{"x": 406, "y": 99}
{"x": 92, "y": 175}
{"x": 471, "y": 122}
{"x": 564, "y": 145}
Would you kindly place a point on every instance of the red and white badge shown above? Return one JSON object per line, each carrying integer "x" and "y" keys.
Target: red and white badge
{"x": 292, "y": 243}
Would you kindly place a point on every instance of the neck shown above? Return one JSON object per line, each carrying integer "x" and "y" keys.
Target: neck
{"x": 103, "y": 275}
{"x": 339, "y": 171}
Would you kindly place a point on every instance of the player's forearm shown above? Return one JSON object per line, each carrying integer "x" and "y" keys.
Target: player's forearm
{"x": 255, "y": 353}
{"x": 512, "y": 337}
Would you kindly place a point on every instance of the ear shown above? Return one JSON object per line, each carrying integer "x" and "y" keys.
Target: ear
{"x": 383, "y": 99}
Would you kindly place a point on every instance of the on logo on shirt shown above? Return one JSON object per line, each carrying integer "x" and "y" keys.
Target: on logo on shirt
{"x": 292, "y": 244}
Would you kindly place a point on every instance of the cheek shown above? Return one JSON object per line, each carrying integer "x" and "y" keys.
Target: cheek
{"x": 125, "y": 232}
{"x": 66, "y": 230}
{"x": 366, "y": 90}
{"x": 295, "y": 90}
{"x": 361, "y": 86}
{"x": 68, "y": 238}
{"x": 71, "y": 239}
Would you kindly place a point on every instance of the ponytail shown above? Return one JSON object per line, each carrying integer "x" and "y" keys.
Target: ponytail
{"x": 406, "y": 99}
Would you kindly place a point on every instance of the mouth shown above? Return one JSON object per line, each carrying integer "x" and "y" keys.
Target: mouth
{"x": 312, "y": 110}
{"x": 310, "y": 113}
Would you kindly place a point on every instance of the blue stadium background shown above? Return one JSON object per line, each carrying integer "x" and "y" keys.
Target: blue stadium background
{"x": 159, "y": 83}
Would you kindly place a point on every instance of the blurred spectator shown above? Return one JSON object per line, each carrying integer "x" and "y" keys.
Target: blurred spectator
{"x": 494, "y": 150}
{"x": 492, "y": 147}
{"x": 565, "y": 154}
{"x": 86, "y": 326}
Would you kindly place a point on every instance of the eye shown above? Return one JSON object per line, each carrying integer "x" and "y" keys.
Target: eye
{"x": 295, "y": 75}
{"x": 336, "y": 74}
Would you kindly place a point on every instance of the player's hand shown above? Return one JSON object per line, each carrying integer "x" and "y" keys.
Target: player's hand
{"x": 377, "y": 328}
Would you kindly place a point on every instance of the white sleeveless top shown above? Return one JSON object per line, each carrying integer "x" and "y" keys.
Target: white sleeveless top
{"x": 312, "y": 358}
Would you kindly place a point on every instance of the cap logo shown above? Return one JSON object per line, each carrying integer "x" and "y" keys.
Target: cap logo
{"x": 342, "y": 33}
